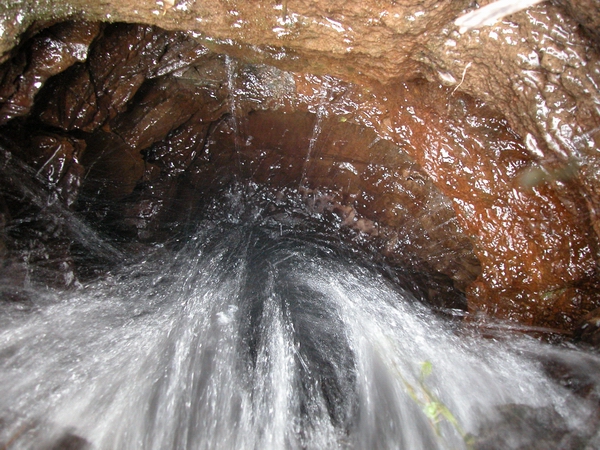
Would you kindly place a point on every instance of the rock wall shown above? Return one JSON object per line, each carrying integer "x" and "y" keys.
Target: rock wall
{"x": 505, "y": 130}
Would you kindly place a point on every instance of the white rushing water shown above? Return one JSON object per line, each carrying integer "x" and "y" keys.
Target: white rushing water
{"x": 244, "y": 339}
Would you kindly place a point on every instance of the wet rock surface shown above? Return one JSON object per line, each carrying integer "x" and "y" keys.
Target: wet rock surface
{"x": 536, "y": 245}
{"x": 47, "y": 54}
{"x": 521, "y": 427}
{"x": 141, "y": 145}
{"x": 138, "y": 128}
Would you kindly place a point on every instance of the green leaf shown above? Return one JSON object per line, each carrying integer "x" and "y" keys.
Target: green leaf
{"x": 432, "y": 411}
{"x": 426, "y": 369}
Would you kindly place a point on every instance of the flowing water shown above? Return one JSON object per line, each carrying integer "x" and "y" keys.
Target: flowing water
{"x": 251, "y": 338}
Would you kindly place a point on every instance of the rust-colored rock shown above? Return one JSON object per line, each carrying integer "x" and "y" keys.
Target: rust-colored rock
{"x": 532, "y": 242}
{"x": 433, "y": 178}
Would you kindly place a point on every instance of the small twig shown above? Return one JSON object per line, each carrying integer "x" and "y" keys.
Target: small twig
{"x": 462, "y": 79}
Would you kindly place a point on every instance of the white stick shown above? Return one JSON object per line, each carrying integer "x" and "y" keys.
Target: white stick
{"x": 489, "y": 14}
{"x": 462, "y": 80}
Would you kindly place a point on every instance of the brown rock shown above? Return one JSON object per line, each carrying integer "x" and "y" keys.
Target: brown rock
{"x": 522, "y": 203}
{"x": 49, "y": 53}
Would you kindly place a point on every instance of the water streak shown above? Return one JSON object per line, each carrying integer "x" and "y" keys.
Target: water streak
{"x": 231, "y": 66}
{"x": 321, "y": 113}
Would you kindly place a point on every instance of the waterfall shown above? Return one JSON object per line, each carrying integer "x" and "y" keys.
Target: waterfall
{"x": 247, "y": 337}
